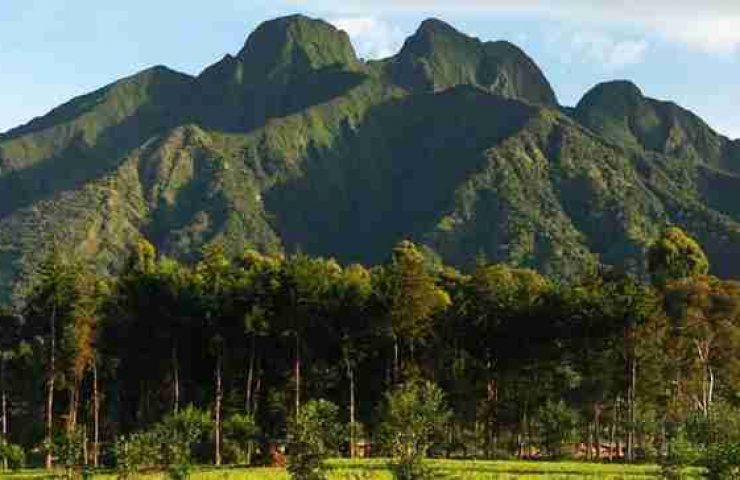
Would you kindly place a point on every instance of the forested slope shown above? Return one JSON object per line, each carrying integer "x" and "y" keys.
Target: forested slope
{"x": 296, "y": 144}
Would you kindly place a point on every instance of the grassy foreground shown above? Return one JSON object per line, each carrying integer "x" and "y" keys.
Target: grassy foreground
{"x": 377, "y": 469}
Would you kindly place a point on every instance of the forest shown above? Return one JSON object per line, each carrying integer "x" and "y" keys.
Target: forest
{"x": 249, "y": 359}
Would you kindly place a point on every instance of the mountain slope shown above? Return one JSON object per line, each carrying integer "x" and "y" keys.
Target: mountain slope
{"x": 620, "y": 112}
{"x": 438, "y": 57}
{"x": 293, "y": 143}
{"x": 704, "y": 164}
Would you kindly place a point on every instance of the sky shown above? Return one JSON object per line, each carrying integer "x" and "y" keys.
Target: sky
{"x": 686, "y": 51}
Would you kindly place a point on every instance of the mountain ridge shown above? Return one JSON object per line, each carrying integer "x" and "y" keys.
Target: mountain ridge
{"x": 295, "y": 144}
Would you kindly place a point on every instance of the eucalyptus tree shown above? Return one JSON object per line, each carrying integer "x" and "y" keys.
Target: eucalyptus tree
{"x": 48, "y": 308}
{"x": 705, "y": 331}
{"x": 351, "y": 316}
{"x": 10, "y": 349}
{"x": 411, "y": 297}
{"x": 256, "y": 285}
{"x": 498, "y": 297}
{"x": 676, "y": 256}
{"x": 213, "y": 277}
{"x": 80, "y": 355}
{"x": 303, "y": 286}
{"x": 149, "y": 333}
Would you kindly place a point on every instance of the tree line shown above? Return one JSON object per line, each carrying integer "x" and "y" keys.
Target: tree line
{"x": 608, "y": 367}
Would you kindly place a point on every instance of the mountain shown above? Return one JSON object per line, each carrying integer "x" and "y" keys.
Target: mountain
{"x": 438, "y": 57}
{"x": 294, "y": 143}
{"x": 703, "y": 166}
{"x": 619, "y": 111}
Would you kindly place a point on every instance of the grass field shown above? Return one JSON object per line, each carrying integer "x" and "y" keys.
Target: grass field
{"x": 377, "y": 469}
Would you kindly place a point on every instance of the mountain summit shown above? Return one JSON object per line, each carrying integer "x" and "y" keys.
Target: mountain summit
{"x": 281, "y": 49}
{"x": 295, "y": 144}
{"x": 438, "y": 57}
{"x": 619, "y": 111}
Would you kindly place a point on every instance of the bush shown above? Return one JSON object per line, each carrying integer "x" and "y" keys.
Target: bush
{"x": 240, "y": 434}
{"x": 558, "y": 425}
{"x": 722, "y": 461}
{"x": 70, "y": 450}
{"x": 135, "y": 452}
{"x": 312, "y": 437}
{"x": 415, "y": 417}
{"x": 11, "y": 454}
{"x": 178, "y": 433}
{"x": 166, "y": 445}
{"x": 681, "y": 453}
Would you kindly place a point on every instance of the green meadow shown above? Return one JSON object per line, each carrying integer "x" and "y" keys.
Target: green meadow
{"x": 377, "y": 469}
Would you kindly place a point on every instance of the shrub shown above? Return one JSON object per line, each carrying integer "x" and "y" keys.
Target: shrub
{"x": 722, "y": 461}
{"x": 681, "y": 453}
{"x": 558, "y": 425}
{"x": 12, "y": 455}
{"x": 312, "y": 437}
{"x": 240, "y": 433}
{"x": 135, "y": 452}
{"x": 178, "y": 433}
{"x": 70, "y": 449}
{"x": 166, "y": 445}
{"x": 415, "y": 416}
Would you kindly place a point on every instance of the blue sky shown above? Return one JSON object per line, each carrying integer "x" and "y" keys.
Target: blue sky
{"x": 53, "y": 50}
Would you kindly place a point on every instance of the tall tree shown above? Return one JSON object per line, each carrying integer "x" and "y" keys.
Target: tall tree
{"x": 411, "y": 296}
{"x": 498, "y": 295}
{"x": 675, "y": 256}
{"x": 351, "y": 313}
{"x": 705, "y": 321}
{"x": 213, "y": 277}
{"x": 255, "y": 287}
{"x": 49, "y": 306}
{"x": 303, "y": 286}
{"x": 10, "y": 350}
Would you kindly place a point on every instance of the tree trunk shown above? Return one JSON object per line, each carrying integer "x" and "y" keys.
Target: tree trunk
{"x": 250, "y": 378}
{"x": 3, "y": 407}
{"x": 96, "y": 416}
{"x": 297, "y": 375}
{"x": 396, "y": 360}
{"x": 597, "y": 430}
{"x": 351, "y": 377}
{"x": 257, "y": 388}
{"x": 707, "y": 382}
{"x": 175, "y": 380}
{"x": 492, "y": 401}
{"x": 50, "y": 389}
{"x": 72, "y": 408}
{"x": 612, "y": 428}
{"x": 248, "y": 394}
{"x": 710, "y": 393}
{"x": 618, "y": 419}
{"x": 217, "y": 410}
{"x": 85, "y": 452}
{"x": 524, "y": 443}
{"x": 631, "y": 408}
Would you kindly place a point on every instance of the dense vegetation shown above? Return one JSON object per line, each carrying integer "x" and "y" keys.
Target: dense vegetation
{"x": 295, "y": 144}
{"x": 227, "y": 360}
{"x": 545, "y": 283}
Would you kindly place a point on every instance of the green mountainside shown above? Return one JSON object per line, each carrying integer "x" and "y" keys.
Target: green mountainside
{"x": 295, "y": 144}
{"x": 438, "y": 57}
{"x": 619, "y": 111}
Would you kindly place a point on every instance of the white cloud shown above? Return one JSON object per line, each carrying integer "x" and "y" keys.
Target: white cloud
{"x": 371, "y": 37}
{"x": 711, "y": 34}
{"x": 376, "y": 38}
{"x": 711, "y": 26}
{"x": 603, "y": 49}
